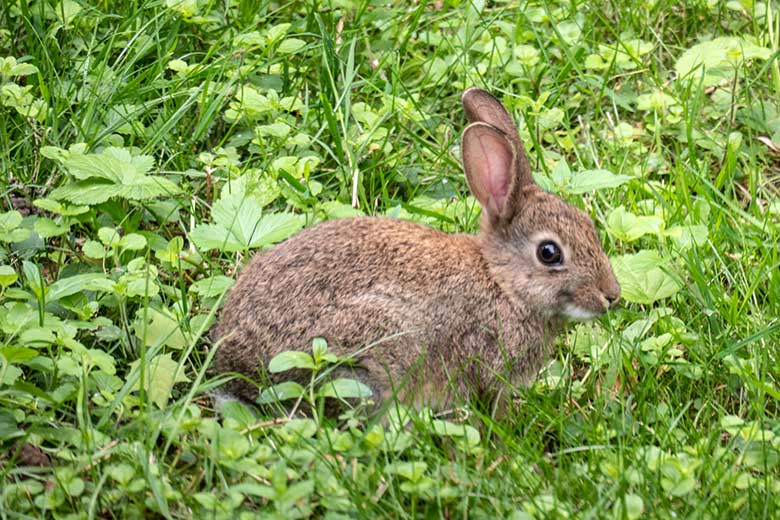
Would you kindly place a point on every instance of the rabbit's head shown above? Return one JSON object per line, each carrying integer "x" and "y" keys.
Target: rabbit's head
{"x": 543, "y": 252}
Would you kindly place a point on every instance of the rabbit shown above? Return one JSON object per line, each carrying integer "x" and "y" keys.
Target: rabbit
{"x": 430, "y": 317}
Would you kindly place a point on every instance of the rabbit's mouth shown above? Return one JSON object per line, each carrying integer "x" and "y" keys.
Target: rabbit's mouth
{"x": 577, "y": 313}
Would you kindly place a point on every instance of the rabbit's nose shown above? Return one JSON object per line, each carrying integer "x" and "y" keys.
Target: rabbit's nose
{"x": 611, "y": 292}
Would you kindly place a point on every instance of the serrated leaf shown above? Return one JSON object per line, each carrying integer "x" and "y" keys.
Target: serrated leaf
{"x": 587, "y": 181}
{"x": 113, "y": 163}
{"x": 345, "y": 388}
{"x": 290, "y": 359}
{"x": 262, "y": 188}
{"x": 114, "y": 172}
{"x": 644, "y": 277}
{"x": 91, "y": 191}
{"x": 149, "y": 187}
{"x": 214, "y": 236}
{"x": 239, "y": 214}
{"x": 276, "y": 227}
{"x": 240, "y": 224}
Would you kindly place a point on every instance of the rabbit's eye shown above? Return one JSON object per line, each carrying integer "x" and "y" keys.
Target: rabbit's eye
{"x": 549, "y": 253}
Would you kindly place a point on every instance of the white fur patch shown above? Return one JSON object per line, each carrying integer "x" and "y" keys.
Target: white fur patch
{"x": 578, "y": 313}
{"x": 220, "y": 397}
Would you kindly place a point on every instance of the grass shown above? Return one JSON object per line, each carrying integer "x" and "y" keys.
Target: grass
{"x": 113, "y": 261}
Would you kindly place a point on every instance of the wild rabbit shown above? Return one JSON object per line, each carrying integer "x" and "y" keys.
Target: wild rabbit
{"x": 445, "y": 314}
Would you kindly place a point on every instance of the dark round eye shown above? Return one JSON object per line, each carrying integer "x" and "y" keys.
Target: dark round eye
{"x": 549, "y": 253}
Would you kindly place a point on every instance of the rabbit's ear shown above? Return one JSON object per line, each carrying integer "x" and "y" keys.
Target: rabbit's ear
{"x": 482, "y": 107}
{"x": 489, "y": 162}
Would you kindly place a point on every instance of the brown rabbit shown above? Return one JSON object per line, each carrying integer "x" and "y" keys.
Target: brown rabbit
{"x": 429, "y": 315}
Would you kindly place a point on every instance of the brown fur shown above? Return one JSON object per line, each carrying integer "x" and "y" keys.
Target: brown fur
{"x": 464, "y": 308}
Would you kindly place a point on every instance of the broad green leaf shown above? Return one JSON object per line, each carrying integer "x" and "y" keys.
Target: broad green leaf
{"x": 561, "y": 174}
{"x": 47, "y": 228}
{"x": 212, "y": 286}
{"x": 161, "y": 328}
{"x": 688, "y": 236}
{"x": 10, "y": 67}
{"x": 9, "y": 227}
{"x": 319, "y": 348}
{"x": 334, "y": 209}
{"x": 280, "y": 392}
{"x": 290, "y": 45}
{"x": 91, "y": 191}
{"x": 256, "y": 490}
{"x": 14, "y": 354}
{"x": 262, "y": 188}
{"x": 109, "y": 236}
{"x": 277, "y": 32}
{"x": 214, "y": 236}
{"x": 240, "y": 224}
{"x": 148, "y": 187}
{"x": 345, "y": 388}
{"x": 7, "y": 276}
{"x": 114, "y": 172}
{"x": 586, "y": 181}
{"x": 276, "y": 227}
{"x": 72, "y": 285}
{"x": 94, "y": 249}
{"x": 239, "y": 214}
{"x": 628, "y": 227}
{"x": 161, "y": 373}
{"x": 644, "y": 277}
{"x": 15, "y": 236}
{"x": 171, "y": 252}
{"x": 10, "y": 220}
{"x": 409, "y": 470}
{"x": 278, "y": 130}
{"x": 290, "y": 359}
{"x": 132, "y": 242}
{"x": 232, "y": 445}
{"x": 115, "y": 164}
{"x": 634, "y": 506}
{"x": 717, "y": 59}
{"x": 32, "y": 275}
{"x": 8, "y": 425}
{"x": 450, "y": 429}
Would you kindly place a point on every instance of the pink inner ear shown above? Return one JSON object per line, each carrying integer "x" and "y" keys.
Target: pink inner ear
{"x": 487, "y": 159}
{"x": 498, "y": 176}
